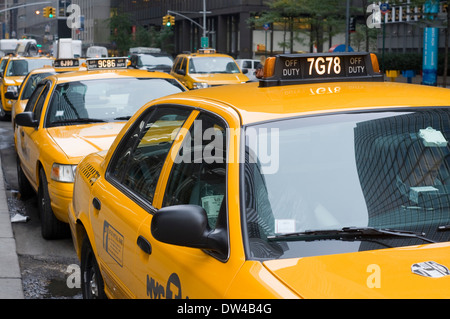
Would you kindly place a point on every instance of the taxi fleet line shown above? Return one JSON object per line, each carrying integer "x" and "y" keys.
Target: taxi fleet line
{"x": 361, "y": 185}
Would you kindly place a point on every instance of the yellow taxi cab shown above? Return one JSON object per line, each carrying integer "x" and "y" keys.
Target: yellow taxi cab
{"x": 16, "y": 69}
{"x": 70, "y": 115}
{"x": 206, "y": 68}
{"x": 320, "y": 181}
{"x": 34, "y": 77}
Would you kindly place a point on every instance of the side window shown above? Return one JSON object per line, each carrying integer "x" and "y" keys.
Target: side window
{"x": 183, "y": 64}
{"x": 34, "y": 97}
{"x": 198, "y": 174}
{"x": 176, "y": 64}
{"x": 140, "y": 157}
{"x": 40, "y": 102}
{"x": 3, "y": 65}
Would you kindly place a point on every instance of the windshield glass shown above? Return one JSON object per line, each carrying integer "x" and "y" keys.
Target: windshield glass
{"x": 105, "y": 100}
{"x": 149, "y": 60}
{"x": 213, "y": 65}
{"x": 22, "y": 67}
{"x": 382, "y": 170}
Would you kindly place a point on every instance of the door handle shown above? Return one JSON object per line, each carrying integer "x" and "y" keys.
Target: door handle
{"x": 96, "y": 203}
{"x": 144, "y": 245}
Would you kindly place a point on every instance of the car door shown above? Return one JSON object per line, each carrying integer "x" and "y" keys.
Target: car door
{"x": 125, "y": 196}
{"x": 30, "y": 138}
{"x": 198, "y": 176}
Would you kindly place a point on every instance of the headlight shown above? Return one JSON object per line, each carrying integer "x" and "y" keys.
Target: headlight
{"x": 200, "y": 85}
{"x": 12, "y": 88}
{"x": 63, "y": 173}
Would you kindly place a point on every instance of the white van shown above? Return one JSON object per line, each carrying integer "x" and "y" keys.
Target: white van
{"x": 96, "y": 52}
{"x": 250, "y": 65}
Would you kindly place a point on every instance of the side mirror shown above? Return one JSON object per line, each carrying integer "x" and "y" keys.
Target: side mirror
{"x": 11, "y": 95}
{"x": 245, "y": 71}
{"x": 26, "y": 119}
{"x": 187, "y": 225}
{"x": 181, "y": 72}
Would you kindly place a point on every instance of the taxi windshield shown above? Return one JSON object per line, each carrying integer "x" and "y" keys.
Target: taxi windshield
{"x": 213, "y": 65}
{"x": 104, "y": 100}
{"x": 150, "y": 60}
{"x": 372, "y": 171}
{"x": 22, "y": 67}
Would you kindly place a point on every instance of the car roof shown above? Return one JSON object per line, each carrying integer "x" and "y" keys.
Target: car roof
{"x": 31, "y": 57}
{"x": 43, "y": 70}
{"x": 202, "y": 55}
{"x": 256, "y": 104}
{"x": 109, "y": 74}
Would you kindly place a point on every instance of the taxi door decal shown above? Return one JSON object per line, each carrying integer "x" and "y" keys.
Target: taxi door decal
{"x": 113, "y": 243}
{"x": 172, "y": 291}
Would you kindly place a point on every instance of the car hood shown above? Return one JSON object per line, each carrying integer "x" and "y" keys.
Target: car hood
{"x": 14, "y": 80}
{"x": 219, "y": 78}
{"x": 406, "y": 272}
{"x": 81, "y": 140}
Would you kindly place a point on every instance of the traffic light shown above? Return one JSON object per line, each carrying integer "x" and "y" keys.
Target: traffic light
{"x": 168, "y": 20}
{"x": 51, "y": 12}
{"x": 165, "y": 20}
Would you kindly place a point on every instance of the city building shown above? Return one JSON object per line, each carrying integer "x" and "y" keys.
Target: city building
{"x": 85, "y": 20}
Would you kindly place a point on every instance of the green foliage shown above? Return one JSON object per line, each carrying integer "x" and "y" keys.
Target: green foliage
{"x": 408, "y": 61}
{"x": 401, "y": 61}
{"x": 121, "y": 34}
{"x": 120, "y": 25}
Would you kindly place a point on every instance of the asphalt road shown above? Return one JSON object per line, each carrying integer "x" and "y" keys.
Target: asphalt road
{"x": 49, "y": 267}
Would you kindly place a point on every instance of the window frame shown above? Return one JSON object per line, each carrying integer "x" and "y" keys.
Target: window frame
{"x": 226, "y": 225}
{"x": 127, "y": 191}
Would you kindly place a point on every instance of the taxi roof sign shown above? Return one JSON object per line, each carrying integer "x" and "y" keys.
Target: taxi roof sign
{"x": 107, "y": 63}
{"x": 66, "y": 63}
{"x": 206, "y": 51}
{"x": 287, "y": 69}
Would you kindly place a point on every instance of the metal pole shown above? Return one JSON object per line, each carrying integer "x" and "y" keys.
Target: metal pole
{"x": 204, "y": 18}
{"x": 384, "y": 40}
{"x": 347, "y": 29}
{"x": 24, "y": 5}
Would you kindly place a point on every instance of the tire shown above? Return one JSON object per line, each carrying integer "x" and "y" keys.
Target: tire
{"x": 92, "y": 284}
{"x": 25, "y": 188}
{"x": 3, "y": 115}
{"x": 51, "y": 227}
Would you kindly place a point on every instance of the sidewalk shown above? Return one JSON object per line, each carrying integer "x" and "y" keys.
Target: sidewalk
{"x": 10, "y": 277}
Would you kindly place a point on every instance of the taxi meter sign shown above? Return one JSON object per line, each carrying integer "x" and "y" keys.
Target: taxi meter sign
{"x": 106, "y": 63}
{"x": 66, "y": 63}
{"x": 307, "y": 68}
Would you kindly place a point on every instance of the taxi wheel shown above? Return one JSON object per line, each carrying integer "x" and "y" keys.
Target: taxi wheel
{"x": 92, "y": 285}
{"x": 3, "y": 115}
{"x": 25, "y": 188}
{"x": 51, "y": 227}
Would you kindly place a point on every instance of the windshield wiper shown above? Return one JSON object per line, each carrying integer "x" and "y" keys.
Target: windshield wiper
{"x": 123, "y": 118}
{"x": 349, "y": 232}
{"x": 79, "y": 120}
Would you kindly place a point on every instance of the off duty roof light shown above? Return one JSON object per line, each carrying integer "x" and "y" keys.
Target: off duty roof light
{"x": 286, "y": 69}
{"x": 107, "y": 63}
{"x": 206, "y": 51}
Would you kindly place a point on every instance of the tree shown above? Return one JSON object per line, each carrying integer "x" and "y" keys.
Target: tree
{"x": 310, "y": 16}
{"x": 120, "y": 26}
